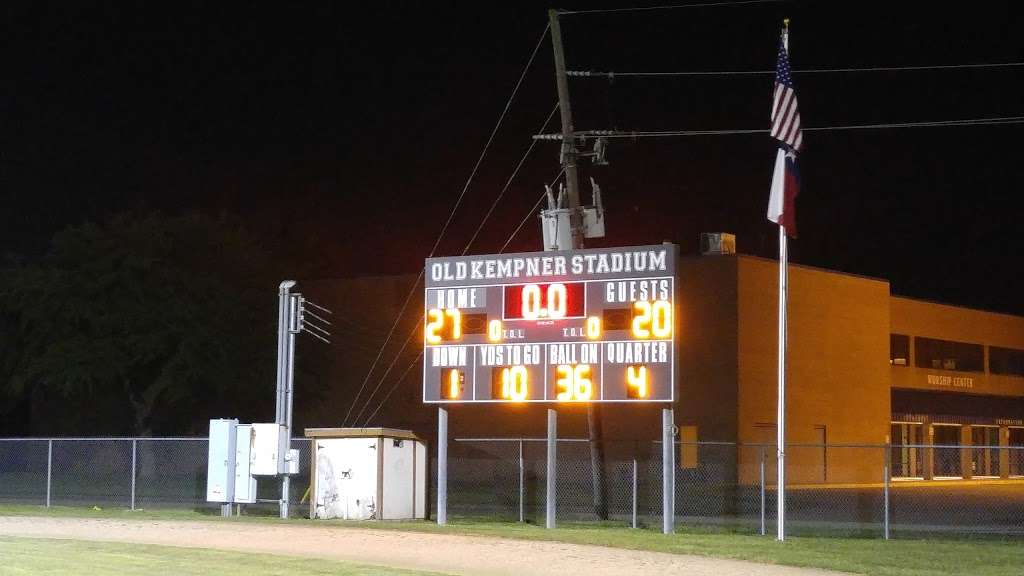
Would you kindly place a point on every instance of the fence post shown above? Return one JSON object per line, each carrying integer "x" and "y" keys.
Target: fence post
{"x": 885, "y": 484}
{"x": 762, "y": 491}
{"x": 49, "y": 468}
{"x": 634, "y": 492}
{"x": 522, "y": 493}
{"x": 134, "y": 441}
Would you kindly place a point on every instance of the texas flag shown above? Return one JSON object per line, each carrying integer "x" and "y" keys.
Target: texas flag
{"x": 785, "y": 129}
{"x": 785, "y": 187}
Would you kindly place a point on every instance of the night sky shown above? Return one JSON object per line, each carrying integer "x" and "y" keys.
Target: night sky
{"x": 348, "y": 132}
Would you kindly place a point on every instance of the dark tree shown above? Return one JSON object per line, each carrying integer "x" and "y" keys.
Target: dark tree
{"x": 142, "y": 325}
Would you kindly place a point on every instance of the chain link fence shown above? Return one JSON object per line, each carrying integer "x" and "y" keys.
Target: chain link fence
{"x": 831, "y": 489}
{"x": 130, "y": 473}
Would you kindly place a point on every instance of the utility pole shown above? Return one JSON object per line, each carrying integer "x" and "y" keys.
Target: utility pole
{"x": 293, "y": 317}
{"x": 285, "y": 380}
{"x": 568, "y": 133}
{"x": 568, "y": 159}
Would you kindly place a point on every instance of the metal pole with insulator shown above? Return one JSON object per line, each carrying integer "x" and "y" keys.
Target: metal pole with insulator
{"x": 285, "y": 356}
{"x": 293, "y": 328}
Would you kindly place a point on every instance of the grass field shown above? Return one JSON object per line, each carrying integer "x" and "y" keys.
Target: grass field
{"x": 938, "y": 556}
{"x": 40, "y": 556}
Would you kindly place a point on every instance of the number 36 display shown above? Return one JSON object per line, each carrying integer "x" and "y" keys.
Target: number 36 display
{"x": 575, "y": 326}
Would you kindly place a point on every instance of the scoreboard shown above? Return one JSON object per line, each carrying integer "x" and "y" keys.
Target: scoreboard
{"x": 595, "y": 325}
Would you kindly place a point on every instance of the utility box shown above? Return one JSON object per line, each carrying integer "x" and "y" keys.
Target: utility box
{"x": 220, "y": 463}
{"x": 367, "y": 474}
{"x": 292, "y": 461}
{"x": 245, "y": 482}
{"x": 270, "y": 445}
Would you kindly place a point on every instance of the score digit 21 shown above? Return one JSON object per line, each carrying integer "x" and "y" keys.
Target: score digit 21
{"x": 584, "y": 326}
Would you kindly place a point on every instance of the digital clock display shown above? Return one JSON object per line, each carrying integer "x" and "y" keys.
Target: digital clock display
{"x": 539, "y": 301}
{"x": 574, "y": 326}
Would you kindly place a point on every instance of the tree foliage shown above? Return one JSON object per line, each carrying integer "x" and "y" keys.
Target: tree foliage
{"x": 142, "y": 325}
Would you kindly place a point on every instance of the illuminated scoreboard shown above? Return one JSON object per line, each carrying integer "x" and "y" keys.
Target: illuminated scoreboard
{"x": 572, "y": 326}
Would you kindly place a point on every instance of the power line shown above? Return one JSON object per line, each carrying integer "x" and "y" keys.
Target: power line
{"x": 393, "y": 388}
{"x": 382, "y": 348}
{"x": 670, "y": 7}
{"x": 451, "y": 215}
{"x": 508, "y": 182}
{"x": 464, "y": 251}
{"x": 998, "y": 121}
{"x": 490, "y": 139}
{"x": 394, "y": 360}
{"x": 613, "y": 75}
{"x": 407, "y": 340}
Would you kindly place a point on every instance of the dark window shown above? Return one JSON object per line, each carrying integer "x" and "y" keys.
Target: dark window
{"x": 1005, "y": 361}
{"x": 947, "y": 355}
{"x": 899, "y": 349}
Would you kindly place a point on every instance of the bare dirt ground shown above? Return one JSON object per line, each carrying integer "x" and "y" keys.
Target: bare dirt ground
{"x": 452, "y": 554}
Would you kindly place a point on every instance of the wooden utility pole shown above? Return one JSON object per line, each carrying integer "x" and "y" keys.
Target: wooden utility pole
{"x": 576, "y": 226}
{"x": 568, "y": 133}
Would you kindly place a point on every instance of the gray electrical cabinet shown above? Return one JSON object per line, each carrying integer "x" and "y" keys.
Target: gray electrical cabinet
{"x": 220, "y": 466}
{"x": 270, "y": 445}
{"x": 245, "y": 482}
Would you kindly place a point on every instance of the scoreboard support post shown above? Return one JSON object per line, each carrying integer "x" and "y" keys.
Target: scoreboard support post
{"x": 522, "y": 484}
{"x": 552, "y": 468}
{"x": 442, "y": 466}
{"x": 668, "y": 463}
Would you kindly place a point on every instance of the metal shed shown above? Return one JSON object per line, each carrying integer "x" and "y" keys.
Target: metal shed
{"x": 367, "y": 474}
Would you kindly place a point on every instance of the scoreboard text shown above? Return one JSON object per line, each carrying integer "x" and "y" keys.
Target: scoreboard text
{"x": 573, "y": 326}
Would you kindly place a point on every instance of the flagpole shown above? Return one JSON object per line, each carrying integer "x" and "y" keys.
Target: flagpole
{"x": 781, "y": 416}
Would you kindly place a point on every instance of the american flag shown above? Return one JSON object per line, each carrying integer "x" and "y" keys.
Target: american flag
{"x": 785, "y": 129}
{"x": 785, "y": 116}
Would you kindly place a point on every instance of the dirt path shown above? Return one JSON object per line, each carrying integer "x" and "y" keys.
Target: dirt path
{"x": 453, "y": 554}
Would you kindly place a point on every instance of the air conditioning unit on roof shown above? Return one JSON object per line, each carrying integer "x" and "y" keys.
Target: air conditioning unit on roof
{"x": 717, "y": 243}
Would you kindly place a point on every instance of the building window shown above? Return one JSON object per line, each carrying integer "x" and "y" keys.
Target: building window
{"x": 985, "y": 455}
{"x": 1015, "y": 440}
{"x": 948, "y": 355}
{"x": 907, "y": 451}
{"x": 1005, "y": 361}
{"x": 899, "y": 349}
{"x": 946, "y": 454}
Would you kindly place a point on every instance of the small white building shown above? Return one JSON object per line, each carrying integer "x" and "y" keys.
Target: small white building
{"x": 367, "y": 474}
